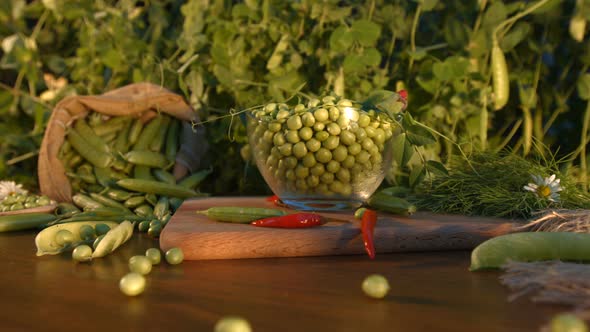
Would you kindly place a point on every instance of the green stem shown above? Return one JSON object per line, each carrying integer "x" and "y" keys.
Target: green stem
{"x": 509, "y": 136}
{"x": 583, "y": 140}
{"x": 516, "y": 17}
{"x": 483, "y": 124}
{"x": 527, "y": 131}
{"x": 413, "y": 34}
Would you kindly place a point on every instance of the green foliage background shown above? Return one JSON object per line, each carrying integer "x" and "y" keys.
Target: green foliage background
{"x": 225, "y": 55}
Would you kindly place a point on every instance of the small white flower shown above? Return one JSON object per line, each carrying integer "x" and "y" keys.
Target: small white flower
{"x": 548, "y": 188}
{"x": 10, "y": 187}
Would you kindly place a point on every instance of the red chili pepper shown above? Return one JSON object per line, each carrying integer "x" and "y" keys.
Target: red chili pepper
{"x": 274, "y": 199}
{"x": 295, "y": 220}
{"x": 404, "y": 96}
{"x": 368, "y": 221}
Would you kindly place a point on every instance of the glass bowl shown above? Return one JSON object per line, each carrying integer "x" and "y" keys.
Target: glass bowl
{"x": 327, "y": 155}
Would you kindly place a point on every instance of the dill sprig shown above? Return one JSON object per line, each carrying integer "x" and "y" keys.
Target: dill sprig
{"x": 491, "y": 184}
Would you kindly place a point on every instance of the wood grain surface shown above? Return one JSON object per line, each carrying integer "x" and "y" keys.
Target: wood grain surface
{"x": 430, "y": 291}
{"x": 202, "y": 238}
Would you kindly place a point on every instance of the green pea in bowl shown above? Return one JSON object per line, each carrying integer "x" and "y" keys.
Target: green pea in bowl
{"x": 326, "y": 155}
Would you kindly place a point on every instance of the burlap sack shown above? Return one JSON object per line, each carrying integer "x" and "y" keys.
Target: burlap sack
{"x": 132, "y": 100}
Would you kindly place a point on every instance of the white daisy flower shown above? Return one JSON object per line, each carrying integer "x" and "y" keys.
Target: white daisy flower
{"x": 10, "y": 187}
{"x": 548, "y": 188}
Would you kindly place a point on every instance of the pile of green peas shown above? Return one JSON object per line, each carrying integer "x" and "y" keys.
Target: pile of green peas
{"x": 134, "y": 282}
{"x": 328, "y": 147}
{"x": 14, "y": 202}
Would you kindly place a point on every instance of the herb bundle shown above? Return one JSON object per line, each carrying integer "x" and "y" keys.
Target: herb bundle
{"x": 492, "y": 184}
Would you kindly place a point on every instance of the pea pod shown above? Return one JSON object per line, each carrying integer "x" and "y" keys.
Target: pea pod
{"x": 240, "y": 214}
{"x": 164, "y": 176}
{"x": 122, "y": 141}
{"x": 383, "y": 202}
{"x": 46, "y": 241}
{"x": 161, "y": 208}
{"x": 90, "y": 136}
{"x": 160, "y": 138}
{"x": 146, "y": 158}
{"x": 119, "y": 195}
{"x": 96, "y": 158}
{"x": 530, "y": 246}
{"x": 85, "y": 202}
{"x": 135, "y": 131}
{"x": 113, "y": 239}
{"x": 501, "y": 84}
{"x": 156, "y": 187}
{"x": 171, "y": 148}
{"x": 148, "y": 133}
{"x": 20, "y": 222}
{"x": 142, "y": 172}
{"x": 108, "y": 202}
{"x": 193, "y": 180}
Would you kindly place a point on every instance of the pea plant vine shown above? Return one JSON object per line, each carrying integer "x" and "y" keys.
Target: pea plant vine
{"x": 225, "y": 55}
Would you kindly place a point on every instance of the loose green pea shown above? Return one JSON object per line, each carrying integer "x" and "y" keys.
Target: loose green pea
{"x": 308, "y": 119}
{"x": 358, "y": 214}
{"x": 333, "y": 129}
{"x": 299, "y": 150}
{"x": 362, "y": 157}
{"x": 568, "y": 323}
{"x": 305, "y": 133}
{"x": 313, "y": 181}
{"x": 322, "y": 135}
{"x": 301, "y": 184}
{"x": 318, "y": 169}
{"x": 354, "y": 149}
{"x": 327, "y": 178}
{"x": 331, "y": 142}
{"x": 278, "y": 139}
{"x": 344, "y": 102}
{"x": 375, "y": 286}
{"x": 286, "y": 149}
{"x": 290, "y": 175}
{"x": 274, "y": 127}
{"x": 347, "y": 137}
{"x": 132, "y": 284}
{"x": 232, "y": 324}
{"x": 140, "y": 264}
{"x": 101, "y": 229}
{"x": 282, "y": 114}
{"x": 340, "y": 153}
{"x": 174, "y": 256}
{"x": 154, "y": 255}
{"x": 321, "y": 114}
{"x": 64, "y": 237}
{"x": 343, "y": 122}
{"x": 290, "y": 162}
{"x": 336, "y": 186}
{"x": 329, "y": 100}
{"x": 87, "y": 232}
{"x": 267, "y": 136}
{"x": 144, "y": 226}
{"x": 319, "y": 126}
{"x": 313, "y": 145}
{"x": 294, "y": 122}
{"x": 334, "y": 113}
{"x": 360, "y": 134}
{"x": 332, "y": 166}
{"x": 370, "y": 131}
{"x": 367, "y": 144}
{"x": 343, "y": 174}
{"x": 82, "y": 253}
{"x": 17, "y": 206}
{"x": 270, "y": 107}
{"x": 154, "y": 231}
{"x": 323, "y": 155}
{"x": 364, "y": 120}
{"x": 292, "y": 136}
{"x": 309, "y": 160}
{"x": 155, "y": 222}
{"x": 299, "y": 108}
{"x": 301, "y": 172}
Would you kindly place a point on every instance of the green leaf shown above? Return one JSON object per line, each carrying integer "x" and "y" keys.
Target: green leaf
{"x": 353, "y": 63}
{"x": 371, "y": 57}
{"x": 428, "y": 5}
{"x": 418, "y": 54}
{"x": 456, "y": 33}
{"x": 402, "y": 150}
{"x": 442, "y": 71}
{"x": 436, "y": 167}
{"x": 112, "y": 58}
{"x": 384, "y": 101}
{"x": 341, "y": 39}
{"x": 495, "y": 14}
{"x": 418, "y": 135}
{"x": 417, "y": 175}
{"x": 517, "y": 34}
{"x": 428, "y": 84}
{"x": 584, "y": 87}
{"x": 365, "y": 32}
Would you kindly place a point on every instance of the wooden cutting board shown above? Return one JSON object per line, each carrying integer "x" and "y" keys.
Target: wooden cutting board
{"x": 201, "y": 238}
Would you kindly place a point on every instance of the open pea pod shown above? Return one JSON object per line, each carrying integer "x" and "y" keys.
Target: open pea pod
{"x": 47, "y": 244}
{"x": 113, "y": 239}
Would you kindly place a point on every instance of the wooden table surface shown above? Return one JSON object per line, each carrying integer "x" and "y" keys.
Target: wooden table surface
{"x": 430, "y": 292}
